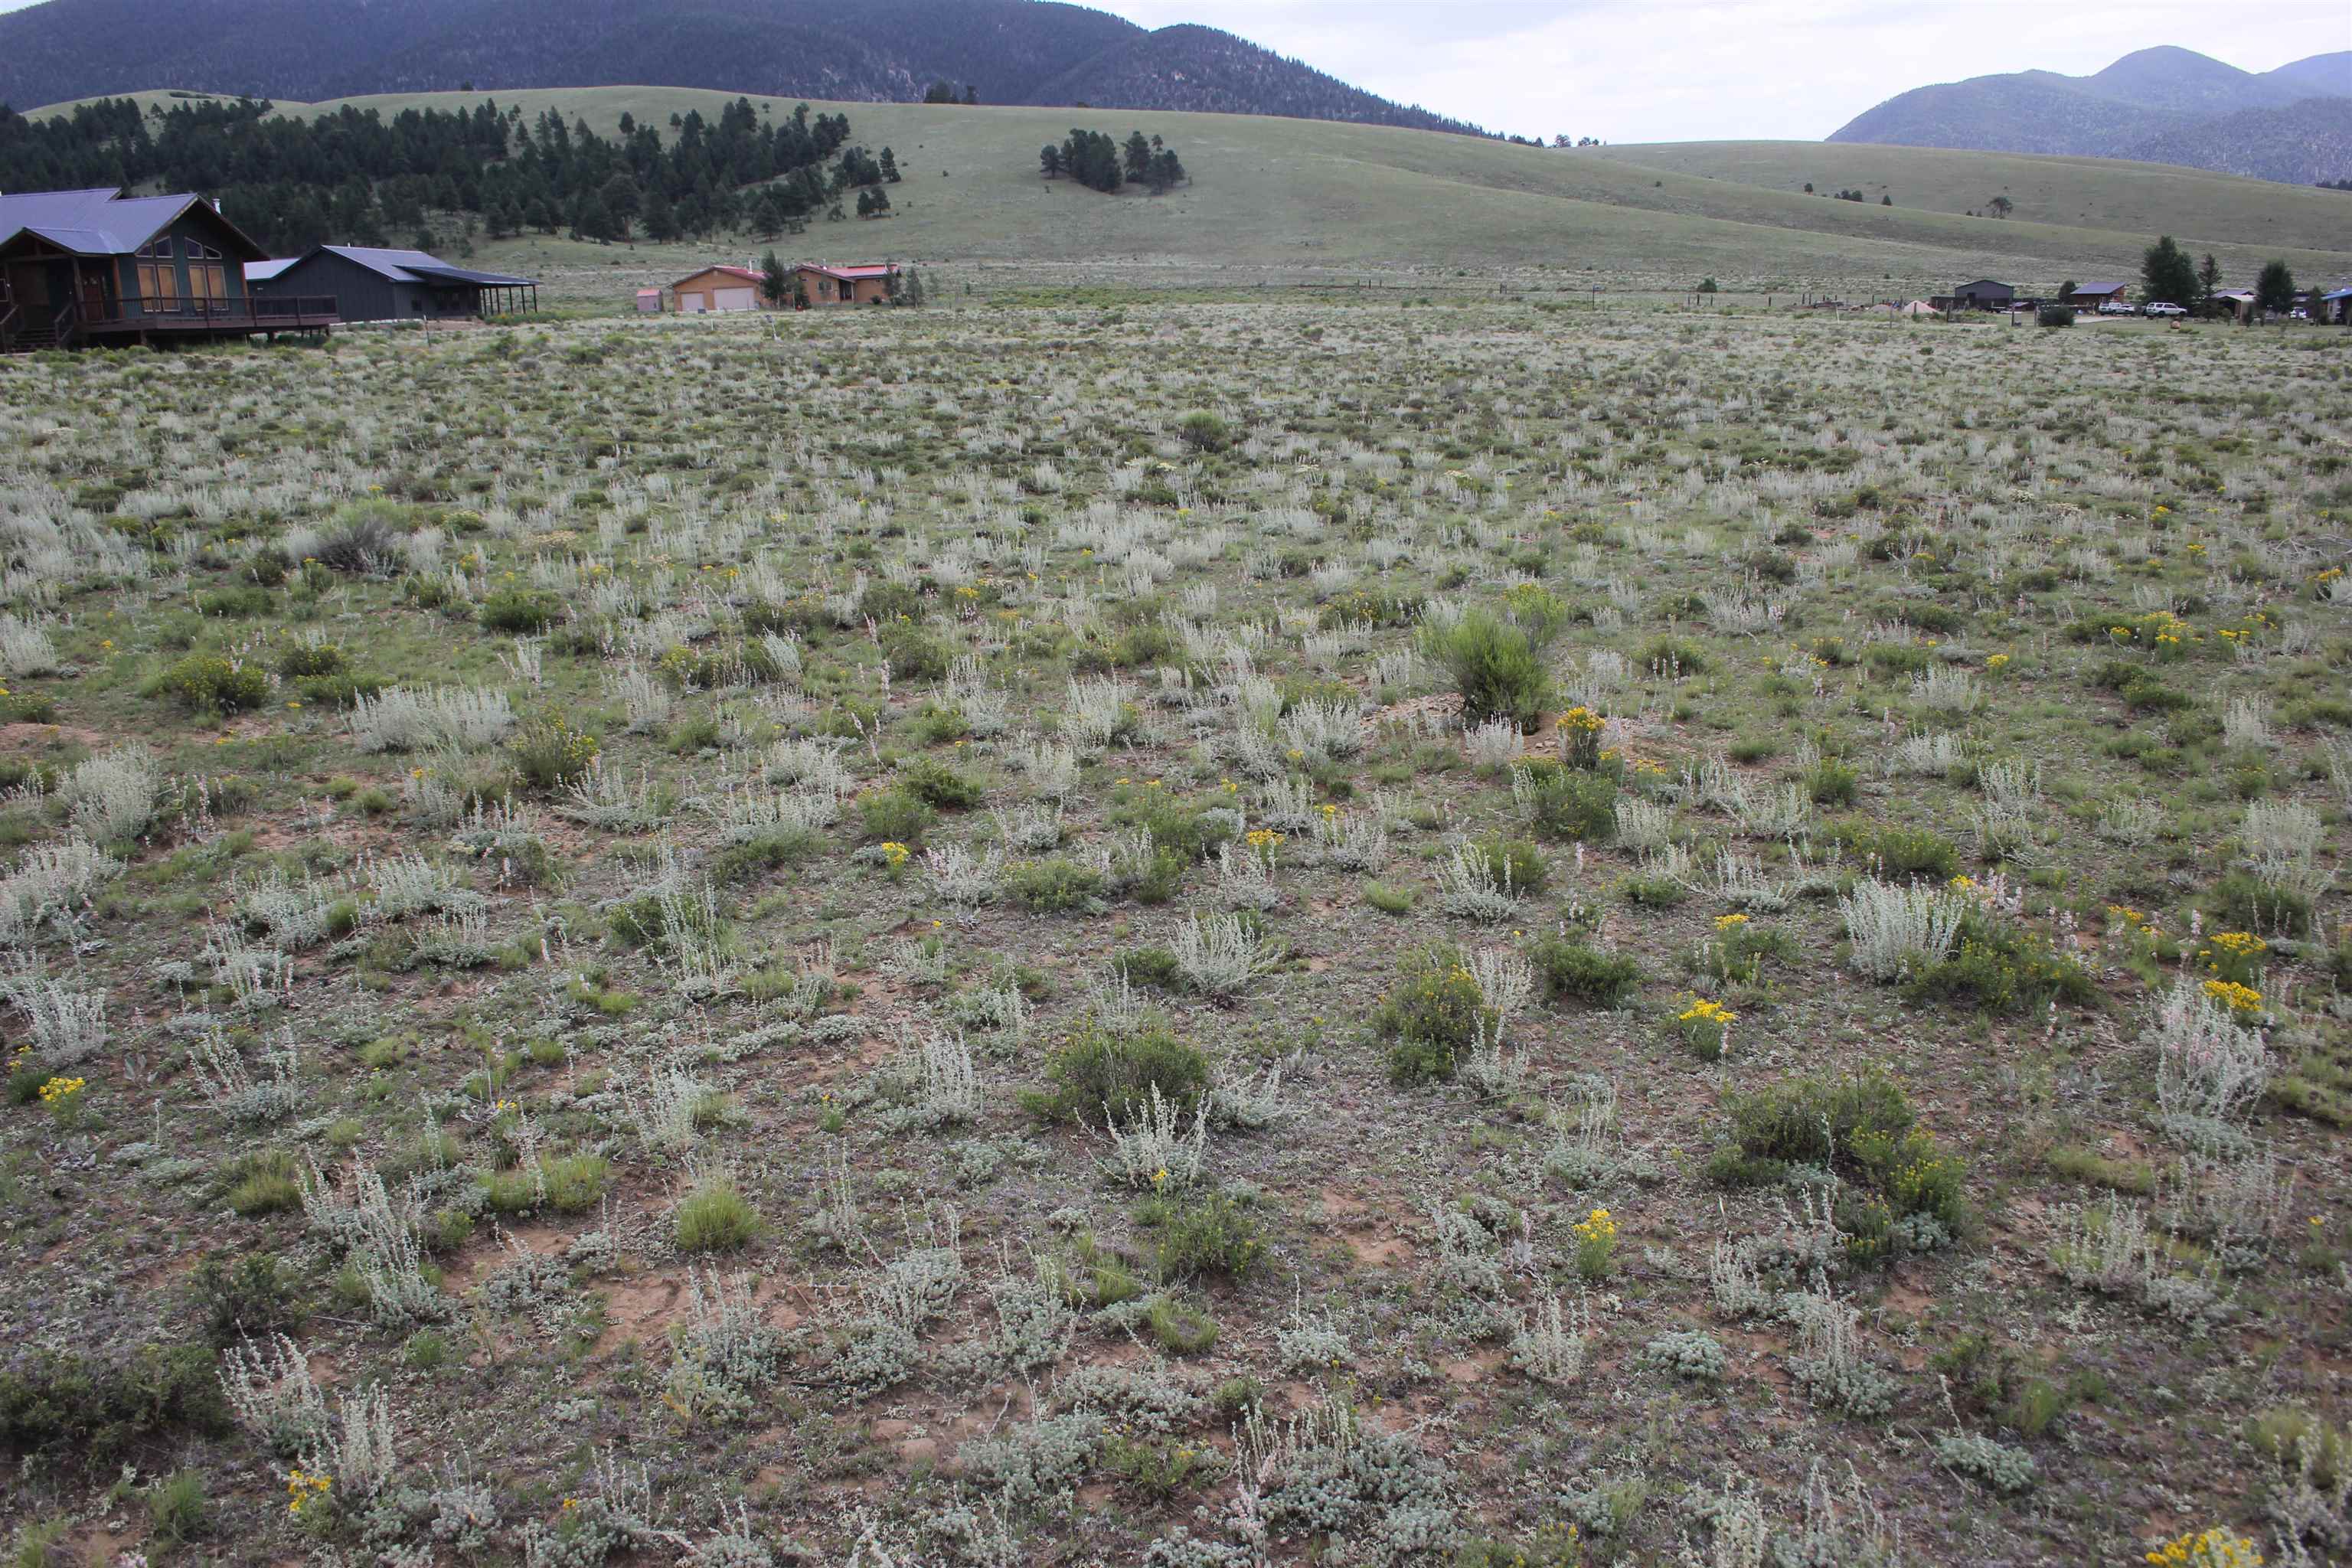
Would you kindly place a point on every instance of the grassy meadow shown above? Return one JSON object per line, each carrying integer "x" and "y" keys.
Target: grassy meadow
{"x": 1179, "y": 934}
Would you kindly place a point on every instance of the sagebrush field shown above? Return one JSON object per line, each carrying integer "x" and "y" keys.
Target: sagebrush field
{"x": 1179, "y": 933}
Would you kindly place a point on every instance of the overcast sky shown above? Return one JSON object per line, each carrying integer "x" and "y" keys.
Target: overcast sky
{"x": 1691, "y": 71}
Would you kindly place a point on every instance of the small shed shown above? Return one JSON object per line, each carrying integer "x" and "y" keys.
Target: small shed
{"x": 1984, "y": 294}
{"x": 2090, "y": 296}
{"x": 849, "y": 282}
{"x": 649, "y": 302}
{"x": 2335, "y": 305}
{"x": 718, "y": 289}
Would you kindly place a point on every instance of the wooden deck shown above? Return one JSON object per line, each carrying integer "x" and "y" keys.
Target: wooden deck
{"x": 27, "y": 328}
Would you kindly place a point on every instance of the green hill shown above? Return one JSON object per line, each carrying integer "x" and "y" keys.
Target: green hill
{"x": 1276, "y": 200}
{"x": 2088, "y": 193}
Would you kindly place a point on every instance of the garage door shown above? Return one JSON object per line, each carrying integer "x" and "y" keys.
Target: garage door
{"x": 735, "y": 299}
{"x": 689, "y": 304}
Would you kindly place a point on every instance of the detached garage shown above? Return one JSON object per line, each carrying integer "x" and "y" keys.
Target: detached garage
{"x": 716, "y": 288}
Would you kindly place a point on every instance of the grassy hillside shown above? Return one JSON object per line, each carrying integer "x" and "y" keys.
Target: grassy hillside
{"x": 2091, "y": 193}
{"x": 1282, "y": 198}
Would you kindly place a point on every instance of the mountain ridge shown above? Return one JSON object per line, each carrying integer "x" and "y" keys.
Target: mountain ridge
{"x": 1012, "y": 52}
{"x": 2164, "y": 104}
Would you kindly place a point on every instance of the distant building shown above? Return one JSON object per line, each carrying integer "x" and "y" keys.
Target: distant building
{"x": 848, "y": 283}
{"x": 649, "y": 302}
{"x": 91, "y": 267}
{"x": 716, "y": 288}
{"x": 375, "y": 284}
{"x": 2335, "y": 305}
{"x": 2090, "y": 296}
{"x": 2238, "y": 304}
{"x": 1984, "y": 294}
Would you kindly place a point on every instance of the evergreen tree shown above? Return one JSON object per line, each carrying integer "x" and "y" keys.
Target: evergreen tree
{"x": 2275, "y": 290}
{"x": 889, "y": 167}
{"x": 1092, "y": 159}
{"x": 2167, "y": 273}
{"x": 914, "y": 286}
{"x": 1139, "y": 157}
{"x": 865, "y": 204}
{"x": 767, "y": 214}
{"x": 1167, "y": 170}
{"x": 775, "y": 283}
{"x": 942, "y": 93}
{"x": 623, "y": 200}
{"x": 589, "y": 219}
{"x": 2208, "y": 277}
{"x": 1049, "y": 161}
{"x": 660, "y": 216}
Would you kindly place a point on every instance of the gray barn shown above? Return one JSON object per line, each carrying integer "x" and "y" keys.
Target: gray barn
{"x": 1984, "y": 294}
{"x": 377, "y": 285}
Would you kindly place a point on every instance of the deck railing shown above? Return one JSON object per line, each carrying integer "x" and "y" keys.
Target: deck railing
{"x": 256, "y": 312}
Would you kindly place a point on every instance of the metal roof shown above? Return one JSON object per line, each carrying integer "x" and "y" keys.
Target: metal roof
{"x": 851, "y": 268}
{"x": 263, "y": 271}
{"x": 2099, "y": 287}
{"x": 97, "y": 222}
{"x": 415, "y": 266}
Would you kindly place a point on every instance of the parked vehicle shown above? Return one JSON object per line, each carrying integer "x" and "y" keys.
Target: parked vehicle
{"x": 2116, "y": 308}
{"x": 2162, "y": 307}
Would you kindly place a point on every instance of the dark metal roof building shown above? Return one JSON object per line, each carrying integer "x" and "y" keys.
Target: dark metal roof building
{"x": 375, "y": 284}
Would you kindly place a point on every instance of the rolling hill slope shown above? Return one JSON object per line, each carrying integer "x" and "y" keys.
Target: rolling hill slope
{"x": 2160, "y": 105}
{"x": 2070, "y": 191}
{"x": 1010, "y": 51}
{"x": 1279, "y": 198}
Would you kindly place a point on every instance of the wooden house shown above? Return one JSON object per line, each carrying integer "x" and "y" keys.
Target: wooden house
{"x": 93, "y": 266}
{"x": 719, "y": 288}
{"x": 848, "y": 283}
{"x": 379, "y": 285}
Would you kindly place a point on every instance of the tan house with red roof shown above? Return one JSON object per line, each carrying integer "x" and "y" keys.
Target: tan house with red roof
{"x": 716, "y": 288}
{"x": 848, "y": 283}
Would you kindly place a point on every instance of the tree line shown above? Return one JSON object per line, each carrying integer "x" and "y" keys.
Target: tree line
{"x": 1099, "y": 163}
{"x": 2166, "y": 272}
{"x": 354, "y": 177}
